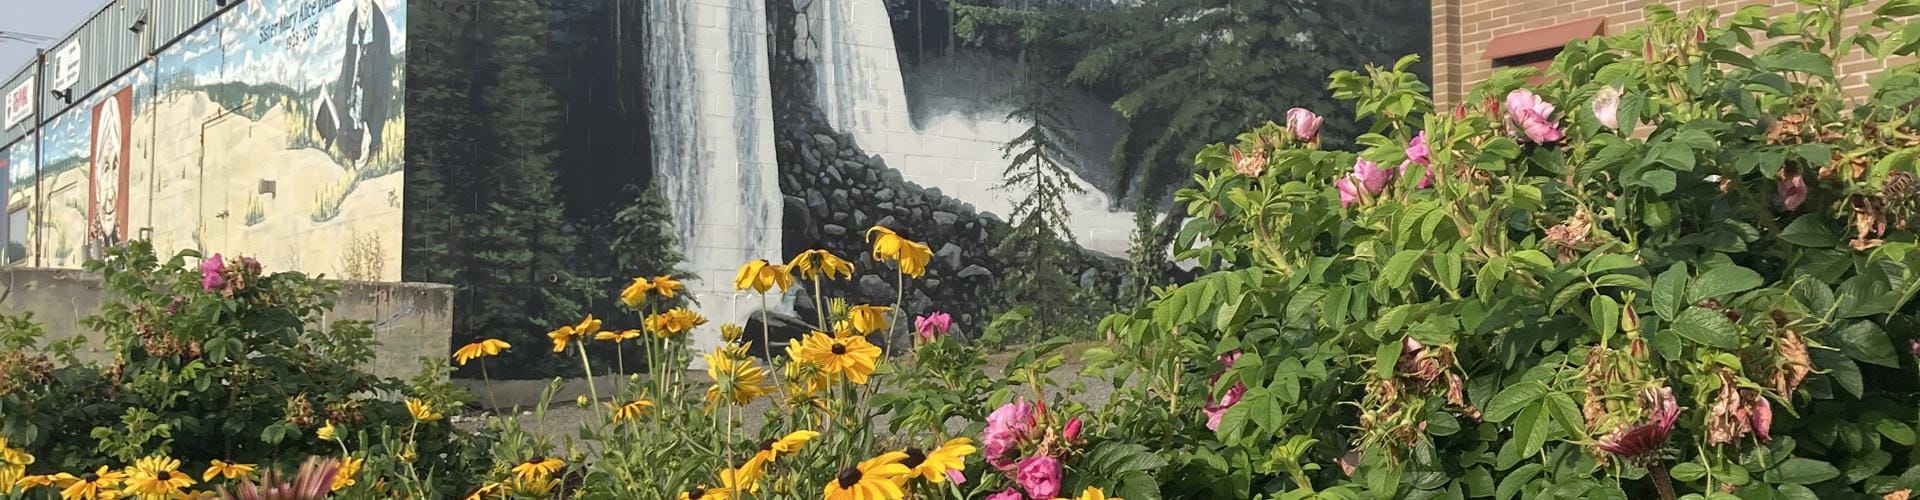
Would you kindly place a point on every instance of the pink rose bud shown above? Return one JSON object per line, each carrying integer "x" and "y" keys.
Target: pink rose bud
{"x": 1072, "y": 433}
{"x": 1304, "y": 124}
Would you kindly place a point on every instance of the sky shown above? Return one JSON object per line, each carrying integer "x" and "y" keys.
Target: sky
{"x": 48, "y": 18}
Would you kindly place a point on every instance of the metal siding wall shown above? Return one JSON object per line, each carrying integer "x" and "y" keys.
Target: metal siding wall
{"x": 8, "y": 135}
{"x": 107, "y": 48}
{"x": 174, "y": 18}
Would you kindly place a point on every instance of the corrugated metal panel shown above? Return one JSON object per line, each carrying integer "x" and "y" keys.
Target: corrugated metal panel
{"x": 9, "y": 134}
{"x": 174, "y": 18}
{"x": 107, "y": 45}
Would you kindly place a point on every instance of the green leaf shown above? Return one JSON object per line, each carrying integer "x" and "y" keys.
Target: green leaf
{"x": 1662, "y": 181}
{"x": 1895, "y": 430}
{"x": 1668, "y": 291}
{"x": 1707, "y": 327}
{"x": 1605, "y": 313}
{"x": 1865, "y": 341}
{"x": 1722, "y": 281}
{"x": 1688, "y": 471}
{"x": 1898, "y": 8}
{"x": 1799, "y": 470}
{"x": 1513, "y": 399}
{"x": 1791, "y": 57}
{"x": 1386, "y": 357}
{"x": 1567, "y": 414}
{"x": 1516, "y": 480}
{"x": 1810, "y": 231}
{"x": 1399, "y": 269}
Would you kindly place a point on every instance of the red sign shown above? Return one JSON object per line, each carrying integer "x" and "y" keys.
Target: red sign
{"x": 19, "y": 103}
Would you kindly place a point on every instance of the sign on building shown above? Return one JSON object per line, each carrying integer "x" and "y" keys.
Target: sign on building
{"x": 19, "y": 103}
{"x": 66, "y": 65}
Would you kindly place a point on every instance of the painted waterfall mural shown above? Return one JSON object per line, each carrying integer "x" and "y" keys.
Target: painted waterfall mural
{"x": 275, "y": 131}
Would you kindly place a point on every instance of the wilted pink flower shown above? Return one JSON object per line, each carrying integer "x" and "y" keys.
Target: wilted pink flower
{"x": 1218, "y": 410}
{"x": 1006, "y": 428}
{"x": 933, "y": 325}
{"x": 1072, "y": 432}
{"x": 1650, "y": 435}
{"x": 1250, "y": 165}
{"x": 1040, "y": 476}
{"x": 1348, "y": 462}
{"x": 1530, "y": 117}
{"x": 1304, "y": 124}
{"x": 1006, "y": 494}
{"x": 956, "y": 476}
{"x": 249, "y": 264}
{"x": 1606, "y": 107}
{"x": 1762, "y": 418}
{"x": 1913, "y": 346}
{"x": 1418, "y": 153}
{"x": 1792, "y": 189}
{"x": 210, "y": 272}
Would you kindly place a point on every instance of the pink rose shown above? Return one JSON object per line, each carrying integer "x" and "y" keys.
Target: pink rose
{"x": 1006, "y": 428}
{"x": 1792, "y": 189}
{"x": 933, "y": 325}
{"x": 210, "y": 272}
{"x": 1367, "y": 178}
{"x": 1417, "y": 153}
{"x": 1218, "y": 410}
{"x": 1072, "y": 433}
{"x": 1006, "y": 494}
{"x": 1040, "y": 476}
{"x": 1606, "y": 107}
{"x": 1349, "y": 191}
{"x": 1649, "y": 436}
{"x": 1530, "y": 117}
{"x": 1762, "y": 419}
{"x": 1304, "y": 124}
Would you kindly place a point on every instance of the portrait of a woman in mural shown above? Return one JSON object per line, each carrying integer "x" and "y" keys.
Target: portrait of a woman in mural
{"x": 352, "y": 110}
{"x": 107, "y": 179}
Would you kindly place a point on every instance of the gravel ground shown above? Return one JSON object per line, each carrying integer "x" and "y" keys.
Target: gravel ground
{"x": 564, "y": 419}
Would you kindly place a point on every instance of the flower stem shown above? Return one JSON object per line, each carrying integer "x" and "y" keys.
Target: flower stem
{"x": 899, "y": 299}
{"x": 819, "y": 308}
{"x": 1661, "y": 481}
{"x": 488, "y": 380}
{"x": 587, "y": 367}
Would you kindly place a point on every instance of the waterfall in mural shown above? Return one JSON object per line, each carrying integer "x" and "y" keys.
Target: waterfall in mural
{"x": 712, "y": 143}
{"x": 861, "y": 88}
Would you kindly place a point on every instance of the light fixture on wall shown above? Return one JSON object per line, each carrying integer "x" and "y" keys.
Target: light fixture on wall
{"x": 268, "y": 187}
{"x": 64, "y": 95}
{"x": 221, "y": 3}
{"x": 138, "y": 24}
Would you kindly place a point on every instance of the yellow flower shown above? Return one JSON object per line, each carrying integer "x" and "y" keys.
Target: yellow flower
{"x": 422, "y": 411}
{"x": 631, "y": 411}
{"x": 761, "y": 276}
{"x": 156, "y": 477}
{"x": 1093, "y": 493}
{"x": 877, "y": 478}
{"x": 744, "y": 479}
{"x": 538, "y": 467}
{"x": 704, "y": 493}
{"x": 731, "y": 332}
{"x": 481, "y": 349}
{"x": 617, "y": 336}
{"x": 565, "y": 334}
{"x": 674, "y": 322}
{"x": 933, "y": 465}
{"x": 487, "y": 490}
{"x": 14, "y": 456}
{"x": 735, "y": 380}
{"x": 771, "y": 449}
{"x": 327, "y": 432}
{"x": 851, "y": 357}
{"x": 666, "y": 286}
{"x": 535, "y": 486}
{"x": 42, "y": 480}
{"x": 343, "y": 477}
{"x": 635, "y": 294}
{"x": 818, "y": 263}
{"x": 913, "y": 256}
{"x": 867, "y": 319}
{"x": 99, "y": 484}
{"x": 228, "y": 470}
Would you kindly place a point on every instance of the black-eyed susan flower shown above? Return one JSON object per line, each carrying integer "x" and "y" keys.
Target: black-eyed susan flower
{"x": 635, "y": 295}
{"x": 738, "y": 381}
{"x": 772, "y": 449}
{"x": 745, "y": 479}
{"x": 632, "y": 411}
{"x": 666, "y": 286}
{"x": 617, "y": 336}
{"x": 802, "y": 377}
{"x": 538, "y": 467}
{"x": 327, "y": 432}
{"x": 877, "y": 478}
{"x": 344, "y": 476}
{"x": 229, "y": 470}
{"x": 156, "y": 477}
{"x": 482, "y": 349}
{"x": 489, "y": 490}
{"x": 731, "y": 332}
{"x": 41, "y": 481}
{"x": 10, "y": 456}
{"x": 423, "y": 411}
{"x": 99, "y": 484}
{"x": 674, "y": 322}
{"x": 866, "y": 319}
{"x": 934, "y": 465}
{"x": 569, "y": 333}
{"x": 760, "y": 276}
{"x": 534, "y": 486}
{"x": 705, "y": 493}
{"x": 852, "y": 357}
{"x": 1093, "y": 493}
{"x": 819, "y": 263}
{"x": 887, "y": 245}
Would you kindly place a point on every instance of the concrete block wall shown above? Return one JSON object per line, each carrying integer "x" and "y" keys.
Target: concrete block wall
{"x": 410, "y": 320}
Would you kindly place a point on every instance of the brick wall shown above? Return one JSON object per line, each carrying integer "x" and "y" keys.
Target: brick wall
{"x": 1462, "y": 28}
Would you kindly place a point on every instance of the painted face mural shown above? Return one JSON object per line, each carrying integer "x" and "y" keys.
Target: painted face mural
{"x": 107, "y": 206}
{"x": 352, "y": 110}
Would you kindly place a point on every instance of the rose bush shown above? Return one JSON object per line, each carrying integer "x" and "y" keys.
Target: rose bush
{"x": 1675, "y": 263}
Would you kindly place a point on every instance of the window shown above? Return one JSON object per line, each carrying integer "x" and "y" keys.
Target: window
{"x": 16, "y": 229}
{"x": 1537, "y": 47}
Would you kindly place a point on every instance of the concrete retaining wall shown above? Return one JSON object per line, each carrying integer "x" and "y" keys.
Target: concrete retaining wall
{"x": 410, "y": 320}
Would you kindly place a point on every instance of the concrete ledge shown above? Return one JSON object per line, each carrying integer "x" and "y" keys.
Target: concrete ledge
{"x": 409, "y": 320}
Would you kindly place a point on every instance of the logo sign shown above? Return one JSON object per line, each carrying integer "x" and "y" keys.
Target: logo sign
{"x": 19, "y": 103}
{"x": 66, "y": 65}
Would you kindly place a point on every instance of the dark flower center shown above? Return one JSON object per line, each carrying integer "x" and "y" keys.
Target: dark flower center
{"x": 536, "y": 459}
{"x": 915, "y": 457}
{"x": 766, "y": 445}
{"x": 163, "y": 476}
{"x": 848, "y": 477}
{"x": 89, "y": 477}
{"x": 695, "y": 494}
{"x": 839, "y": 348}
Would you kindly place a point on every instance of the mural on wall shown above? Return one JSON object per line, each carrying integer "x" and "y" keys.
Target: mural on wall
{"x": 274, "y": 130}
